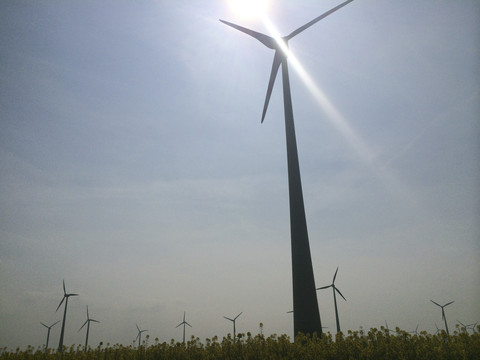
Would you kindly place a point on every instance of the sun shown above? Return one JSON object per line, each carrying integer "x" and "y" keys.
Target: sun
{"x": 249, "y": 8}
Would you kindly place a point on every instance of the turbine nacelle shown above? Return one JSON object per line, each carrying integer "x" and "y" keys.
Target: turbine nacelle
{"x": 88, "y": 320}
{"x": 332, "y": 285}
{"x": 65, "y": 296}
{"x": 183, "y": 322}
{"x": 49, "y": 327}
{"x": 235, "y": 318}
{"x": 279, "y": 45}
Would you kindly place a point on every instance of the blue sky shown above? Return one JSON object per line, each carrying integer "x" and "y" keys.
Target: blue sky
{"x": 134, "y": 166}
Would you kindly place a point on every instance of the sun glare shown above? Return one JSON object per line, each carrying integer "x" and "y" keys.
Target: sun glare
{"x": 249, "y": 8}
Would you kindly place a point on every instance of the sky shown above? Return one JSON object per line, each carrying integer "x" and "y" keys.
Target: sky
{"x": 134, "y": 166}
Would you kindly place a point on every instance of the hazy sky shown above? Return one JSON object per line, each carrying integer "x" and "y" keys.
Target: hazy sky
{"x": 134, "y": 166}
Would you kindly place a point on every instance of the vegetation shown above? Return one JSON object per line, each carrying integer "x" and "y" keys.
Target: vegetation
{"x": 374, "y": 344}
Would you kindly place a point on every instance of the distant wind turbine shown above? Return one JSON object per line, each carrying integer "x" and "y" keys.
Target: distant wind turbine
{"x": 65, "y": 297}
{"x": 415, "y": 331}
{"x": 48, "y": 332}
{"x": 386, "y": 327}
{"x": 139, "y": 336}
{"x": 467, "y": 327}
{"x": 233, "y": 320}
{"x": 306, "y": 317}
{"x": 335, "y": 289}
{"x": 87, "y": 322}
{"x": 183, "y": 323}
{"x": 444, "y": 318}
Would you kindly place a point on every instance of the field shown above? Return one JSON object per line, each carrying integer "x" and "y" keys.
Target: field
{"x": 374, "y": 344}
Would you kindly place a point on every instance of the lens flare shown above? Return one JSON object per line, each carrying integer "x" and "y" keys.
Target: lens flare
{"x": 249, "y": 8}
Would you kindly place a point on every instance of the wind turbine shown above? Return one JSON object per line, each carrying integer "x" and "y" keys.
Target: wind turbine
{"x": 233, "y": 320}
{"x": 183, "y": 323}
{"x": 65, "y": 297}
{"x": 415, "y": 331}
{"x": 306, "y": 315}
{"x": 443, "y": 313}
{"x": 334, "y": 288}
{"x": 87, "y": 322}
{"x": 139, "y": 335}
{"x": 467, "y": 327}
{"x": 48, "y": 332}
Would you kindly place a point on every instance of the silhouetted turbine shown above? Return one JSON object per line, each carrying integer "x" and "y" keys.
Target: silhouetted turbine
{"x": 306, "y": 317}
{"x": 386, "y": 326}
{"x": 444, "y": 318}
{"x": 415, "y": 331}
{"x": 139, "y": 335}
{"x": 335, "y": 289}
{"x": 87, "y": 322}
{"x": 183, "y": 323}
{"x": 48, "y": 332}
{"x": 233, "y": 320}
{"x": 65, "y": 297}
{"x": 466, "y": 327}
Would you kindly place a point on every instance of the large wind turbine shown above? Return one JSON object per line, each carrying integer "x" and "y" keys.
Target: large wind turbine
{"x": 306, "y": 315}
{"x": 139, "y": 335}
{"x": 48, "y": 332}
{"x": 444, "y": 318}
{"x": 233, "y": 320}
{"x": 65, "y": 297}
{"x": 87, "y": 322}
{"x": 183, "y": 323}
{"x": 335, "y": 289}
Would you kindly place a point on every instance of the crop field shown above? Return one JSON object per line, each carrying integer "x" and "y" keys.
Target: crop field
{"x": 374, "y": 344}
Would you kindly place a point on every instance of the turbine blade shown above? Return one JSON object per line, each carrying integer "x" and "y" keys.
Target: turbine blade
{"x": 55, "y": 323}
{"x": 85, "y": 323}
{"x": 44, "y": 325}
{"x": 277, "y": 60}
{"x": 334, "y": 276}
{"x": 238, "y": 316}
{"x": 137, "y": 327}
{"x": 72, "y": 295}
{"x": 64, "y": 291}
{"x": 340, "y": 294}
{"x": 88, "y": 317}
{"x": 307, "y": 25}
{"x": 228, "y": 318}
{"x": 324, "y": 287}
{"x": 436, "y": 303}
{"x": 451, "y": 302}
{"x": 188, "y": 324}
{"x": 94, "y": 320}
{"x": 61, "y": 302}
{"x": 264, "y": 39}
{"x": 179, "y": 324}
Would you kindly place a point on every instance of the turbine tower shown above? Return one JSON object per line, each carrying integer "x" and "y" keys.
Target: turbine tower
{"x": 444, "y": 318}
{"x": 233, "y": 320}
{"x": 48, "y": 332}
{"x": 335, "y": 289}
{"x": 87, "y": 322}
{"x": 183, "y": 323}
{"x": 306, "y": 315}
{"x": 65, "y": 297}
{"x": 139, "y": 335}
